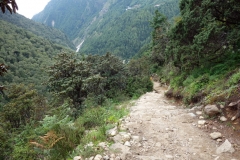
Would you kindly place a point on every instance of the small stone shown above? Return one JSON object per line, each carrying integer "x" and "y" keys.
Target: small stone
{"x": 127, "y": 143}
{"x": 144, "y": 139}
{"x": 106, "y": 157}
{"x": 211, "y": 110}
{"x": 219, "y": 140}
{"x": 103, "y": 145}
{"x": 225, "y": 147}
{"x": 201, "y": 117}
{"x": 214, "y": 128}
{"x": 169, "y": 156}
{"x": 223, "y": 119}
{"x": 199, "y": 112}
{"x": 221, "y": 106}
{"x": 216, "y": 158}
{"x": 135, "y": 138}
{"x": 201, "y": 122}
{"x": 91, "y": 158}
{"x": 112, "y": 132}
{"x": 77, "y": 158}
{"x": 233, "y": 104}
{"x": 117, "y": 158}
{"x": 192, "y": 115}
{"x": 98, "y": 157}
{"x": 216, "y": 135}
{"x": 126, "y": 137}
{"x": 112, "y": 156}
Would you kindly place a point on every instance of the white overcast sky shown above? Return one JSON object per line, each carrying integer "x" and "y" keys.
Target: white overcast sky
{"x": 29, "y": 8}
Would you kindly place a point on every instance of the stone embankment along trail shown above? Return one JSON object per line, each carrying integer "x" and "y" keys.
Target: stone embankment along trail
{"x": 167, "y": 131}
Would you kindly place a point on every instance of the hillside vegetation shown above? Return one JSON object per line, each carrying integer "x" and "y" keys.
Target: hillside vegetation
{"x": 54, "y": 102}
{"x": 199, "y": 56}
{"x": 119, "y": 27}
{"x": 46, "y": 89}
{"x": 26, "y": 55}
{"x": 52, "y": 34}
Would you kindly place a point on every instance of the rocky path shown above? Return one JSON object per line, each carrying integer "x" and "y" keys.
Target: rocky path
{"x": 159, "y": 130}
{"x": 156, "y": 129}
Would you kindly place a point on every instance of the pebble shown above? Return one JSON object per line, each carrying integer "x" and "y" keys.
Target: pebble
{"x": 169, "y": 156}
{"x": 144, "y": 139}
{"x": 223, "y": 119}
{"x": 201, "y": 122}
{"x": 117, "y": 158}
{"x": 112, "y": 156}
{"x": 192, "y": 115}
{"x": 77, "y": 158}
{"x": 219, "y": 140}
{"x": 216, "y": 135}
{"x": 199, "y": 112}
{"x": 98, "y": 157}
{"x": 201, "y": 117}
{"x": 106, "y": 157}
{"x": 127, "y": 143}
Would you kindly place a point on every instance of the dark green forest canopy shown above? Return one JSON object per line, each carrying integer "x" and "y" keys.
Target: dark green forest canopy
{"x": 199, "y": 52}
{"x": 26, "y": 55}
{"x": 205, "y": 34}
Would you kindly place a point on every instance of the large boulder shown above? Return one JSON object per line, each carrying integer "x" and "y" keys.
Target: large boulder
{"x": 211, "y": 110}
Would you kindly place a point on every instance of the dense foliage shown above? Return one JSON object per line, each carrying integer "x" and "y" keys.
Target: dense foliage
{"x": 25, "y": 55}
{"x": 200, "y": 50}
{"x": 119, "y": 27}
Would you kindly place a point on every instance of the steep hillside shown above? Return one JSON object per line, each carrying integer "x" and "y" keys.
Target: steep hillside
{"x": 97, "y": 27}
{"x": 38, "y": 29}
{"x": 26, "y": 55}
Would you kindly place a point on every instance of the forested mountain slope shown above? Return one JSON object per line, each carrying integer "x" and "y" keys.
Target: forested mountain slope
{"x": 26, "y": 55}
{"x": 49, "y": 33}
{"x": 100, "y": 26}
{"x": 199, "y": 56}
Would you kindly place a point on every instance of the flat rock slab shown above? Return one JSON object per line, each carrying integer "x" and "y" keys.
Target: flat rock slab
{"x": 225, "y": 147}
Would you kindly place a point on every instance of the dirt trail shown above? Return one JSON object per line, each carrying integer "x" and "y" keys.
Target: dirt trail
{"x": 167, "y": 132}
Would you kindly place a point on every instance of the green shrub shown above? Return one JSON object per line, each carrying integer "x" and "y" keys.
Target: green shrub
{"x": 234, "y": 79}
{"x": 136, "y": 86}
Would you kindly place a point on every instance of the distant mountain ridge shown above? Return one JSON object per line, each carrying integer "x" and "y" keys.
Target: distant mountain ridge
{"x": 99, "y": 26}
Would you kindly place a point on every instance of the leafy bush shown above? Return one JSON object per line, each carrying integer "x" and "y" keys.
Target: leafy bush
{"x": 234, "y": 79}
{"x": 136, "y": 86}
